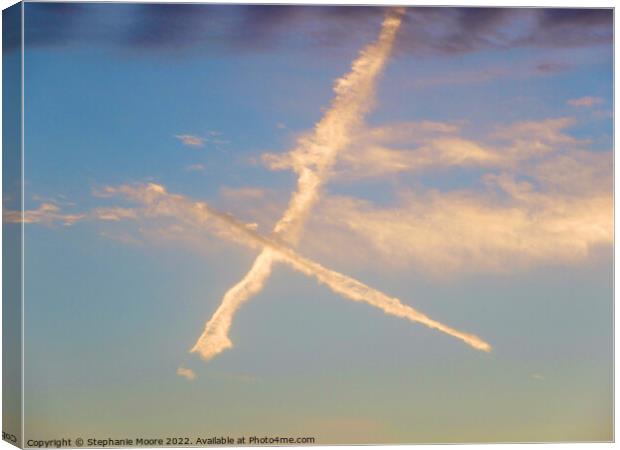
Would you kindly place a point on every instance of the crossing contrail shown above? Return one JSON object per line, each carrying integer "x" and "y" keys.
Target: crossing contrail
{"x": 159, "y": 202}
{"x": 312, "y": 159}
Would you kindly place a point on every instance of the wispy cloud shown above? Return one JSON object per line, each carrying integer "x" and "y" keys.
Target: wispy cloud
{"x": 542, "y": 198}
{"x": 375, "y": 161}
{"x": 455, "y": 232}
{"x": 584, "y": 102}
{"x": 190, "y": 140}
{"x": 51, "y": 213}
{"x": 536, "y": 137}
{"x": 423, "y": 146}
{"x": 195, "y": 168}
{"x": 47, "y": 213}
{"x": 188, "y": 374}
{"x": 213, "y": 138}
{"x": 252, "y": 193}
{"x": 114, "y": 213}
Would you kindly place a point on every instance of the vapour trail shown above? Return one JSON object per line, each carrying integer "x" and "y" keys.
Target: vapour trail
{"x": 312, "y": 159}
{"x": 161, "y": 203}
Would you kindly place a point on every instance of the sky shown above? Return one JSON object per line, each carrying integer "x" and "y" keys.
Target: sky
{"x": 424, "y": 196}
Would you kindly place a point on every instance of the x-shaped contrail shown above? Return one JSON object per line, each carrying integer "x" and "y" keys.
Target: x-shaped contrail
{"x": 313, "y": 159}
{"x": 159, "y": 202}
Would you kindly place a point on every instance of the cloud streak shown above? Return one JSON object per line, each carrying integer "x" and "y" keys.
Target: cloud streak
{"x": 190, "y": 140}
{"x": 584, "y": 102}
{"x": 312, "y": 160}
{"x": 47, "y": 213}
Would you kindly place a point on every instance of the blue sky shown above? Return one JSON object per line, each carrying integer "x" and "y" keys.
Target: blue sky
{"x": 477, "y": 189}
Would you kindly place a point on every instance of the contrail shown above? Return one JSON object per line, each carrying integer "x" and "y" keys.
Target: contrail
{"x": 312, "y": 159}
{"x": 161, "y": 203}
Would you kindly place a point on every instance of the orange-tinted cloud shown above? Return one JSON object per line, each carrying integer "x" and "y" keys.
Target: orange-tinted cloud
{"x": 584, "y": 102}
{"x": 190, "y": 140}
{"x": 47, "y": 213}
{"x": 188, "y": 374}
